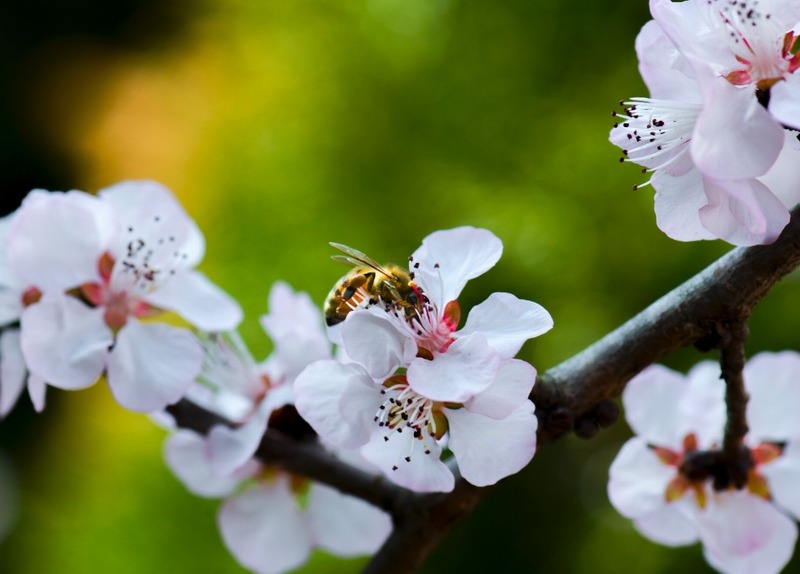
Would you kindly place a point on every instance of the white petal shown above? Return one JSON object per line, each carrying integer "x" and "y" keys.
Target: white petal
{"x": 64, "y": 341}
{"x": 138, "y": 202}
{"x": 744, "y": 534}
{"x": 317, "y": 393}
{"x": 784, "y": 101}
{"x": 152, "y": 365}
{"x": 36, "y": 389}
{"x": 691, "y": 34}
{"x": 264, "y": 529}
{"x": 665, "y": 71}
{"x": 702, "y": 405}
{"x": 668, "y": 525}
{"x": 637, "y": 480}
{"x": 343, "y": 525}
{"x": 467, "y": 368}
{"x": 783, "y": 178}
{"x": 230, "y": 448}
{"x": 487, "y": 449}
{"x": 358, "y": 404}
{"x": 735, "y": 137}
{"x": 462, "y": 254}
{"x": 56, "y": 240}
{"x": 773, "y": 382}
{"x": 375, "y": 342}
{"x": 508, "y": 392}
{"x": 651, "y": 405}
{"x": 678, "y": 201}
{"x": 290, "y": 313}
{"x": 186, "y": 455}
{"x": 191, "y": 295}
{"x": 783, "y": 478}
{"x": 12, "y": 370}
{"x": 10, "y": 305}
{"x": 422, "y": 473}
{"x": 743, "y": 212}
{"x": 507, "y": 322}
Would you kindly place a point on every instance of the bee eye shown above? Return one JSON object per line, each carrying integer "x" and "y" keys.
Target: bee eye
{"x": 412, "y": 298}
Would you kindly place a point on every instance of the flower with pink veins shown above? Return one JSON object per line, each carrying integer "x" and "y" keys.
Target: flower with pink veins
{"x": 270, "y": 519}
{"x": 676, "y": 419}
{"x": 663, "y": 132}
{"x": 14, "y": 297}
{"x": 247, "y": 393}
{"x": 103, "y": 264}
{"x": 458, "y": 385}
{"x": 749, "y": 43}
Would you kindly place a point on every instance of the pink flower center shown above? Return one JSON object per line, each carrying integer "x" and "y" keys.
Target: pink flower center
{"x": 119, "y": 304}
{"x": 757, "y": 42}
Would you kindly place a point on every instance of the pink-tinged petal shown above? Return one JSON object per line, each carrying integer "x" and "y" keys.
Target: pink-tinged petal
{"x": 507, "y": 393}
{"x": 487, "y": 449}
{"x": 783, "y": 178}
{"x": 290, "y": 313}
{"x": 507, "y": 322}
{"x": 56, "y": 240}
{"x": 373, "y": 341}
{"x": 773, "y": 382}
{"x": 702, "y": 406}
{"x": 462, "y": 254}
{"x": 421, "y": 472}
{"x": 37, "y": 389}
{"x": 669, "y": 525}
{"x": 783, "y": 478}
{"x": 665, "y": 71}
{"x": 684, "y": 24}
{"x": 296, "y": 328}
{"x": 152, "y": 365}
{"x": 65, "y": 342}
{"x": 467, "y": 368}
{"x": 784, "y": 101}
{"x": 735, "y": 137}
{"x": 743, "y": 212}
{"x": 12, "y": 370}
{"x": 137, "y": 204}
{"x": 186, "y": 455}
{"x": 230, "y": 448}
{"x": 343, "y": 525}
{"x": 744, "y": 534}
{"x": 638, "y": 479}
{"x": 317, "y": 393}
{"x": 651, "y": 405}
{"x": 265, "y": 530}
{"x": 678, "y": 201}
{"x": 191, "y": 295}
{"x": 358, "y": 404}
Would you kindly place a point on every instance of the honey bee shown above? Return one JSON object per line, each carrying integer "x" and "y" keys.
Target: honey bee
{"x": 368, "y": 284}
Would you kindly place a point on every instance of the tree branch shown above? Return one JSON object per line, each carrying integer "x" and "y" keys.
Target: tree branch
{"x": 574, "y": 395}
{"x": 566, "y": 395}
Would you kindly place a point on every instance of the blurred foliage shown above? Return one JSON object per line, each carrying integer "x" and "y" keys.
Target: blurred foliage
{"x": 285, "y": 125}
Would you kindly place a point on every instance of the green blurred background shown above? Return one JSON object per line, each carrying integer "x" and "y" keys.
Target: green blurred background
{"x": 285, "y": 125}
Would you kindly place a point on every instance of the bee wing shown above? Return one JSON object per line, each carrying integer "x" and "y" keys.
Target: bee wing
{"x": 355, "y": 258}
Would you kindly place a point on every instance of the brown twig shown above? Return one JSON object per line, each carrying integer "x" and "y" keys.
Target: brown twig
{"x": 573, "y": 395}
{"x": 566, "y": 395}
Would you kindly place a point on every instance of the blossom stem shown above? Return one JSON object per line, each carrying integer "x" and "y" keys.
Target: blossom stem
{"x": 732, "y": 360}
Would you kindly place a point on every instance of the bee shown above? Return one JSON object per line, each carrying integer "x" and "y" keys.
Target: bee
{"x": 370, "y": 283}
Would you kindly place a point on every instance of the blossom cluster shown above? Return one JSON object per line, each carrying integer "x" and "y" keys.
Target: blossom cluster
{"x": 95, "y": 285}
{"x": 718, "y": 132}
{"x": 677, "y": 419}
